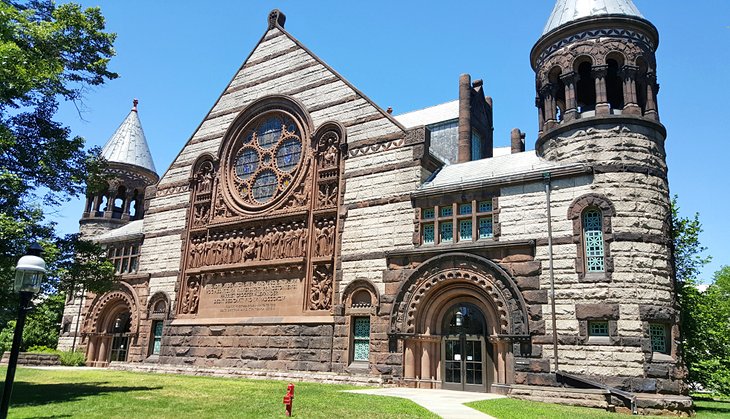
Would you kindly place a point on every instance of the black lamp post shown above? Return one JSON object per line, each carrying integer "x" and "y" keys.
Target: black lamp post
{"x": 28, "y": 275}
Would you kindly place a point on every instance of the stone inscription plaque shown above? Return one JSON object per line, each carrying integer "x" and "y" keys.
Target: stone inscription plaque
{"x": 251, "y": 298}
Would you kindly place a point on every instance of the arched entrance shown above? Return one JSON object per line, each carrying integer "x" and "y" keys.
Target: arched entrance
{"x": 111, "y": 328}
{"x": 464, "y": 355}
{"x": 458, "y": 316}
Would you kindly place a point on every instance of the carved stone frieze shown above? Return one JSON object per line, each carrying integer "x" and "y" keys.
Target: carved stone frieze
{"x": 320, "y": 295}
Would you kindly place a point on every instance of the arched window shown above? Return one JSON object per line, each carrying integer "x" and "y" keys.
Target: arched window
{"x": 614, "y": 84}
{"x": 133, "y": 205}
{"x": 119, "y": 201}
{"x": 559, "y": 93}
{"x": 641, "y": 83}
{"x": 593, "y": 240}
{"x": 586, "y": 88}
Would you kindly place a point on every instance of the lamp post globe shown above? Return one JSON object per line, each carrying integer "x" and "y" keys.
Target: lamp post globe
{"x": 28, "y": 275}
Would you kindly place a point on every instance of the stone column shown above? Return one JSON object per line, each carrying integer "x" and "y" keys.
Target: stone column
{"x": 127, "y": 204}
{"x": 540, "y": 115}
{"x": 425, "y": 364}
{"x": 652, "y": 88}
{"x": 631, "y": 102}
{"x": 91, "y": 352}
{"x": 409, "y": 363}
{"x": 599, "y": 74}
{"x": 571, "y": 105}
{"x": 103, "y": 350}
{"x": 548, "y": 97}
{"x": 109, "y": 204}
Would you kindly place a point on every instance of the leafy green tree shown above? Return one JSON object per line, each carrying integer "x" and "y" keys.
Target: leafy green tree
{"x": 48, "y": 53}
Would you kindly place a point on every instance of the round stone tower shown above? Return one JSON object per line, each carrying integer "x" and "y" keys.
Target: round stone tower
{"x": 132, "y": 171}
{"x": 596, "y": 97}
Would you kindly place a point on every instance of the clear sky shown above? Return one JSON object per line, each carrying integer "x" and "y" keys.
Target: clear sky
{"x": 176, "y": 57}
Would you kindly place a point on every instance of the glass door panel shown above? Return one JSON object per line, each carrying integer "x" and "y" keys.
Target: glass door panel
{"x": 452, "y": 361}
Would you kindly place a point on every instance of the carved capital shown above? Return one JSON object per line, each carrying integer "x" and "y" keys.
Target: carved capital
{"x": 599, "y": 72}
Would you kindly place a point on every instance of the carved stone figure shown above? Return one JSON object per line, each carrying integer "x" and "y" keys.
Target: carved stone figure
{"x": 327, "y": 195}
{"x": 320, "y": 297}
{"x": 192, "y": 296}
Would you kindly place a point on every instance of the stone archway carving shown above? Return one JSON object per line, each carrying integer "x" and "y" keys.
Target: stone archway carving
{"x": 475, "y": 274}
{"x": 102, "y": 304}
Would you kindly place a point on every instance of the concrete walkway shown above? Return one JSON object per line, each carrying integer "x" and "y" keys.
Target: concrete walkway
{"x": 448, "y": 404}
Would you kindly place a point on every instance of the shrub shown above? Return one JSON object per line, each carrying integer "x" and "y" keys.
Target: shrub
{"x": 72, "y": 358}
{"x": 40, "y": 349}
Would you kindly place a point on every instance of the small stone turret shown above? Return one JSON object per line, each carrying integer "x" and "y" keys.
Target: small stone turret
{"x": 132, "y": 169}
{"x": 595, "y": 60}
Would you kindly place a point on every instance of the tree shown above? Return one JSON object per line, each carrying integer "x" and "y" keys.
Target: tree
{"x": 705, "y": 315}
{"x": 48, "y": 52}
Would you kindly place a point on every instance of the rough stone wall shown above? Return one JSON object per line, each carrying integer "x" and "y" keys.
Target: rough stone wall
{"x": 629, "y": 171}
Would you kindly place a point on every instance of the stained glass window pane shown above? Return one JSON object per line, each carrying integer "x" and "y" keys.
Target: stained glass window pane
{"x": 485, "y": 228}
{"x": 269, "y": 132}
{"x": 485, "y": 206}
{"x": 247, "y": 163}
{"x": 658, "y": 338}
{"x": 428, "y": 213}
{"x": 361, "y": 335}
{"x": 593, "y": 236}
{"x": 287, "y": 156}
{"x": 598, "y": 328}
{"x": 447, "y": 211}
{"x": 465, "y": 230}
{"x": 464, "y": 209}
{"x": 428, "y": 234}
{"x": 447, "y": 232}
{"x": 264, "y": 186}
{"x": 157, "y": 337}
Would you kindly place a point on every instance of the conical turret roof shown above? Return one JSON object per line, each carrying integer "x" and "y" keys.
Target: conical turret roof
{"x": 567, "y": 11}
{"x": 128, "y": 145}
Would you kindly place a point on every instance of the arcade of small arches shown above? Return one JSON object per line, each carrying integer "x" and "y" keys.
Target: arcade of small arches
{"x": 117, "y": 202}
{"x": 595, "y": 80}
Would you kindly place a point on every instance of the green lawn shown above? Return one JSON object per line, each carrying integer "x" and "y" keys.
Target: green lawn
{"x": 118, "y": 394}
{"x": 520, "y": 409}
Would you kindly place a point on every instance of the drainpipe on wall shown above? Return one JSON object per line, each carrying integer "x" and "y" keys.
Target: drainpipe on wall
{"x": 546, "y": 180}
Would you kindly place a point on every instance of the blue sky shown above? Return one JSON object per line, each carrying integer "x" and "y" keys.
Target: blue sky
{"x": 176, "y": 57}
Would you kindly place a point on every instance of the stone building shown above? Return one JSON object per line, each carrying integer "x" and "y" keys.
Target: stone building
{"x": 303, "y": 228}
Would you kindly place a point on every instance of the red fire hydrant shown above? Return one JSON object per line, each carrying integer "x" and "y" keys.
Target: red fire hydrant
{"x": 289, "y": 398}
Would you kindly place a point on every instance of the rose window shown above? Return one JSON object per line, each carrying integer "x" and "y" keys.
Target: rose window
{"x": 269, "y": 153}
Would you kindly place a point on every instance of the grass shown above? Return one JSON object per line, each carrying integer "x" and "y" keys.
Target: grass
{"x": 117, "y": 394}
{"x": 705, "y": 408}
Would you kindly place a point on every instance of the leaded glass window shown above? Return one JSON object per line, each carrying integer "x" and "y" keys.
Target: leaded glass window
{"x": 264, "y": 186}
{"x": 598, "y": 328}
{"x": 659, "y": 338}
{"x": 428, "y": 234}
{"x": 485, "y": 206}
{"x": 465, "y": 230}
{"x": 593, "y": 240}
{"x": 464, "y": 209}
{"x": 125, "y": 258}
{"x": 156, "y": 337}
{"x": 287, "y": 156}
{"x": 447, "y": 211}
{"x": 476, "y": 146}
{"x": 447, "y": 232}
{"x": 361, "y": 338}
{"x": 486, "y": 230}
{"x": 428, "y": 213}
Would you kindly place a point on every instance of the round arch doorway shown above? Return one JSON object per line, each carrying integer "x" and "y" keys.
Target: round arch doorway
{"x": 465, "y": 355}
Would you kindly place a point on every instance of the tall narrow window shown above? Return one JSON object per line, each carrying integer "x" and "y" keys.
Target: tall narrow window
{"x": 156, "y": 336}
{"x": 361, "y": 338}
{"x": 586, "y": 88}
{"x": 659, "y": 341}
{"x": 593, "y": 240}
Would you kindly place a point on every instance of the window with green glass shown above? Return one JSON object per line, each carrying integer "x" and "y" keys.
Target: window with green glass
{"x": 428, "y": 234}
{"x": 659, "y": 338}
{"x": 486, "y": 230}
{"x": 598, "y": 328}
{"x": 447, "y": 211}
{"x": 427, "y": 213}
{"x": 593, "y": 240}
{"x": 447, "y": 232}
{"x": 464, "y": 209}
{"x": 485, "y": 206}
{"x": 465, "y": 230}
{"x": 156, "y": 337}
{"x": 361, "y": 338}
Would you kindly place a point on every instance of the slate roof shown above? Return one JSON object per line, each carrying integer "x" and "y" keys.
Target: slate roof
{"x": 128, "y": 144}
{"x": 491, "y": 169}
{"x": 132, "y": 230}
{"x": 444, "y": 112}
{"x": 567, "y": 11}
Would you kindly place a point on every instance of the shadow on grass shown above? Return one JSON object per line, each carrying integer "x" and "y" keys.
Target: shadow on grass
{"x": 718, "y": 406}
{"x": 29, "y": 394}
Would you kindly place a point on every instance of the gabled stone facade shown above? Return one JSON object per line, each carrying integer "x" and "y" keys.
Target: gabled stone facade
{"x": 303, "y": 228}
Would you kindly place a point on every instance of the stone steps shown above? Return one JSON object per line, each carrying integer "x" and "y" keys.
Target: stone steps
{"x": 596, "y": 398}
{"x": 299, "y": 376}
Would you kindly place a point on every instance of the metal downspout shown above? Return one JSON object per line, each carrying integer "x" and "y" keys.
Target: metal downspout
{"x": 546, "y": 180}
